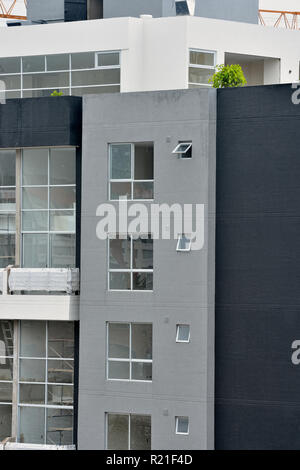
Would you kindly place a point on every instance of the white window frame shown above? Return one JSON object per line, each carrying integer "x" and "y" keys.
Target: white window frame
{"x": 129, "y": 360}
{"x": 126, "y": 180}
{"x": 129, "y": 425}
{"x": 205, "y": 67}
{"x": 130, "y": 270}
{"x": 176, "y": 426}
{"x": 104, "y": 67}
{"x": 187, "y": 237}
{"x": 49, "y": 211}
{"x": 177, "y": 333}
{"x": 68, "y": 89}
{"x": 176, "y": 150}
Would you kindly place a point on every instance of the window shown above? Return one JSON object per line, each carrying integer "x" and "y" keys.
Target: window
{"x": 182, "y": 425}
{"x": 184, "y": 243}
{"x": 183, "y": 150}
{"x": 183, "y": 333}
{"x": 46, "y": 377}
{"x": 201, "y": 67}
{"x": 131, "y": 263}
{"x": 131, "y": 171}
{"x": 48, "y": 207}
{"x": 72, "y": 74}
{"x": 129, "y": 351}
{"x": 6, "y": 377}
{"x": 7, "y": 207}
{"x": 128, "y": 432}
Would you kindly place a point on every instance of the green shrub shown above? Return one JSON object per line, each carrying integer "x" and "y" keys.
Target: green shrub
{"x": 57, "y": 93}
{"x": 228, "y": 76}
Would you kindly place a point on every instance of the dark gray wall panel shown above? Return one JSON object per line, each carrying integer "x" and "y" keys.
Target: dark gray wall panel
{"x": 75, "y": 10}
{"x": 257, "y": 269}
{"x": 33, "y": 122}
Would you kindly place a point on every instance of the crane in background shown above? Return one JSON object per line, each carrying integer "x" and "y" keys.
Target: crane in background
{"x": 7, "y": 9}
{"x": 290, "y": 19}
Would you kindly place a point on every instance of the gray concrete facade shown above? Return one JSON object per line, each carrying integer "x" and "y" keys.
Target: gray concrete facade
{"x": 183, "y": 374}
{"x": 233, "y": 10}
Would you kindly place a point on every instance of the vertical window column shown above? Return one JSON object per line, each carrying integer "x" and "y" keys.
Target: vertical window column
{"x": 7, "y": 207}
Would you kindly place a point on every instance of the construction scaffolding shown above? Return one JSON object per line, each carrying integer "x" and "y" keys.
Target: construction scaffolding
{"x": 8, "y": 8}
{"x": 290, "y": 19}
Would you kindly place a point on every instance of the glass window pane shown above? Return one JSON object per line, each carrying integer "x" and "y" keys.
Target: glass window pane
{"x": 7, "y": 223}
{"x": 32, "y": 394}
{"x": 119, "y": 253}
{"x": 35, "y": 221}
{"x": 141, "y": 341}
{"x": 32, "y": 425}
{"x": 33, "y": 339}
{"x": 33, "y": 63}
{"x": 59, "y": 427}
{"x": 63, "y": 166}
{"x": 32, "y": 370}
{"x": 6, "y": 366}
{"x": 120, "y": 189}
{"x": 10, "y": 82}
{"x": 143, "y": 161}
{"x": 202, "y": 58}
{"x": 5, "y": 392}
{"x": 107, "y": 59}
{"x": 60, "y": 372}
{"x": 143, "y": 253}
{"x": 10, "y": 65}
{"x": 183, "y": 333}
{"x": 7, "y": 167}
{"x": 62, "y": 198}
{"x": 200, "y": 75}
{"x": 5, "y": 421}
{"x": 142, "y": 281}
{"x": 6, "y": 338}
{"x": 62, "y": 251}
{"x": 7, "y": 250}
{"x": 8, "y": 199}
{"x": 62, "y": 221}
{"x": 140, "y": 432}
{"x": 117, "y": 432}
{"x": 120, "y": 164}
{"x": 118, "y": 370}
{"x": 57, "y": 62}
{"x": 60, "y": 339}
{"x": 96, "y": 77}
{"x": 94, "y": 90}
{"x": 35, "y": 249}
{"x": 118, "y": 342}
{"x": 119, "y": 281}
{"x": 143, "y": 190}
{"x": 46, "y": 80}
{"x": 83, "y": 60}
{"x": 182, "y": 425}
{"x": 9, "y": 94}
{"x": 141, "y": 371}
{"x": 35, "y": 167}
{"x": 61, "y": 395}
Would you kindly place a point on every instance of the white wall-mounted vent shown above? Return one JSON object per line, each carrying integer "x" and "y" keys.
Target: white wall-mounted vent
{"x": 185, "y": 7}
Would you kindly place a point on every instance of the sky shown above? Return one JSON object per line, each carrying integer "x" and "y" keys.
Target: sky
{"x": 289, "y": 5}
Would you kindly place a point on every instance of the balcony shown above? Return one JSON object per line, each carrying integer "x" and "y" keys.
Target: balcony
{"x": 39, "y": 294}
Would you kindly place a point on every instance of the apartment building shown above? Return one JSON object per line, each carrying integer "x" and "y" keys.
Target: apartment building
{"x": 141, "y": 343}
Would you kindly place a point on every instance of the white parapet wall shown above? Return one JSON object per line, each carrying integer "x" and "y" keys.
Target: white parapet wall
{"x": 56, "y": 303}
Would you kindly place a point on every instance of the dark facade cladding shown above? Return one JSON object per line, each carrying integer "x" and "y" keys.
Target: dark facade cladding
{"x": 39, "y": 122}
{"x": 75, "y": 10}
{"x": 257, "y": 269}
